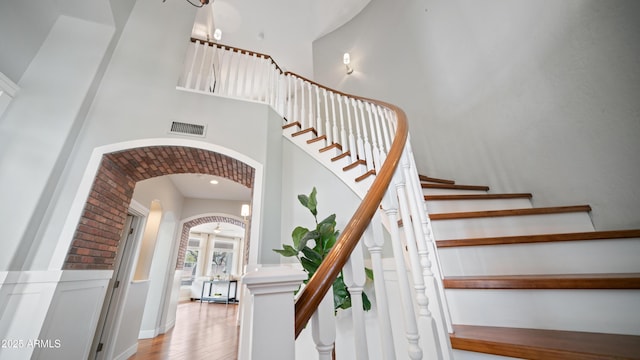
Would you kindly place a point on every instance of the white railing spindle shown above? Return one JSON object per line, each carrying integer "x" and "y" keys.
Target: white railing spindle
{"x": 343, "y": 131}
{"x": 334, "y": 129}
{"x": 374, "y": 240}
{"x": 323, "y": 327}
{"x": 410, "y": 324}
{"x": 354, "y": 279}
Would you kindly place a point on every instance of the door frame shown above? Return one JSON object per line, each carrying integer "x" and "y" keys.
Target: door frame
{"x": 114, "y": 299}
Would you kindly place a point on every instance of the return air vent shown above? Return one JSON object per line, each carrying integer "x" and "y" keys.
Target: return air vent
{"x": 187, "y": 129}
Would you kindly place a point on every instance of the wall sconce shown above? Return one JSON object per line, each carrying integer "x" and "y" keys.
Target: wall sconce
{"x": 346, "y": 59}
{"x": 245, "y": 211}
{"x": 217, "y": 34}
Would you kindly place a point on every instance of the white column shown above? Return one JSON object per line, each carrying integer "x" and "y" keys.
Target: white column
{"x": 271, "y": 333}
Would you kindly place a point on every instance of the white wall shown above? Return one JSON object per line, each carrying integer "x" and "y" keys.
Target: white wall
{"x": 301, "y": 174}
{"x": 194, "y": 207}
{"x": 34, "y": 128}
{"x": 162, "y": 269}
{"x": 519, "y": 95}
{"x": 138, "y": 100}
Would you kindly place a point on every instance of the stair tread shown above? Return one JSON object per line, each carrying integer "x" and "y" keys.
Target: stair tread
{"x": 555, "y": 281}
{"x": 477, "y": 196}
{"x": 455, "y": 187}
{"x": 435, "y": 180}
{"x": 343, "y": 155}
{"x": 316, "y": 139}
{"x": 523, "y": 239}
{"x": 510, "y": 212}
{"x": 332, "y": 146}
{"x": 298, "y": 133}
{"x": 291, "y": 124}
{"x": 544, "y": 344}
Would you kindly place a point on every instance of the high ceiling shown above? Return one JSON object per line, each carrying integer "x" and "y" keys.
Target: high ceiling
{"x": 284, "y": 29}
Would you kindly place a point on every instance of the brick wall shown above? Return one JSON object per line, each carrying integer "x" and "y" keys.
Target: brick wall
{"x": 99, "y": 230}
{"x": 184, "y": 237}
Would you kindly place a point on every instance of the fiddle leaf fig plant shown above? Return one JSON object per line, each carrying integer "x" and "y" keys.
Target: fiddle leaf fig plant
{"x": 310, "y": 247}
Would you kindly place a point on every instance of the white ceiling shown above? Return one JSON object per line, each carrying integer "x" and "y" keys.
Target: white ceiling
{"x": 224, "y": 230}
{"x": 198, "y": 186}
{"x": 284, "y": 29}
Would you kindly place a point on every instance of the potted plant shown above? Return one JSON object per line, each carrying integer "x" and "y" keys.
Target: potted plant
{"x": 311, "y": 247}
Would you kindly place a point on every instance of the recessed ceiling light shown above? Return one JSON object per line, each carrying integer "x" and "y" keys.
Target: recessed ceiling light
{"x": 214, "y": 182}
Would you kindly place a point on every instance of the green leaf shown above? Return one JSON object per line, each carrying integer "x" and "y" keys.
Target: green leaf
{"x": 304, "y": 200}
{"x": 366, "y": 304}
{"x": 309, "y": 265}
{"x": 331, "y": 219}
{"x": 313, "y": 203}
{"x": 369, "y": 273}
{"x": 297, "y": 235}
{"x": 312, "y": 255}
{"x": 287, "y": 251}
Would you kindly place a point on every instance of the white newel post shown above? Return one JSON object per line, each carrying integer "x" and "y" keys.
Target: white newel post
{"x": 272, "y": 334}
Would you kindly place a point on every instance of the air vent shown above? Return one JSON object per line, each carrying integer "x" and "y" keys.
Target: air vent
{"x": 187, "y": 129}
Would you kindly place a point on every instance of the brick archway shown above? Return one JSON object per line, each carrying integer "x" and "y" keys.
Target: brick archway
{"x": 186, "y": 227}
{"x": 98, "y": 233}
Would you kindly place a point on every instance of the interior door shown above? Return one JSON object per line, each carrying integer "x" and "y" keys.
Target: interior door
{"x": 114, "y": 298}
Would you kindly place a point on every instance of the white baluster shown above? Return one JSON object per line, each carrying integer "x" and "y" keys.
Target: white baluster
{"x": 273, "y": 85}
{"x": 282, "y": 91}
{"x": 352, "y": 138}
{"x": 327, "y": 124}
{"x": 213, "y": 75}
{"x": 334, "y": 129}
{"x": 433, "y": 277}
{"x": 289, "y": 99}
{"x": 242, "y": 74}
{"x": 385, "y": 121}
{"x": 378, "y": 121}
{"x": 343, "y": 131}
{"x": 196, "y": 47}
{"x": 323, "y": 327}
{"x": 374, "y": 142}
{"x": 302, "y": 104}
{"x": 318, "y": 111}
{"x": 359, "y": 143}
{"x": 226, "y": 70}
{"x": 374, "y": 240}
{"x": 294, "y": 117}
{"x": 368, "y": 155}
{"x": 234, "y": 66}
{"x": 310, "y": 116}
{"x": 205, "y": 49}
{"x": 354, "y": 279}
{"x": 410, "y": 324}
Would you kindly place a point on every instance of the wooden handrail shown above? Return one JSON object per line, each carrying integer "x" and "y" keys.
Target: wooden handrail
{"x": 239, "y": 50}
{"x": 322, "y": 280}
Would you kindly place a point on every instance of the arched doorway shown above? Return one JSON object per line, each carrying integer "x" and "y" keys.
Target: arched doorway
{"x": 98, "y": 233}
{"x": 97, "y": 237}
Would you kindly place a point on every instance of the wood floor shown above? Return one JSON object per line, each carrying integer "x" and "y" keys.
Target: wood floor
{"x": 202, "y": 331}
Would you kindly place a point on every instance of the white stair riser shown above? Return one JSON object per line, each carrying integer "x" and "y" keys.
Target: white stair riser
{"x": 447, "y": 206}
{"x": 470, "y": 355}
{"x": 427, "y": 191}
{"x": 512, "y": 225}
{"x": 566, "y": 257}
{"x": 606, "y": 311}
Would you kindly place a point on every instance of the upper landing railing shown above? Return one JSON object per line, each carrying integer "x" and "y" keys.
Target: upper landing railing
{"x": 370, "y": 132}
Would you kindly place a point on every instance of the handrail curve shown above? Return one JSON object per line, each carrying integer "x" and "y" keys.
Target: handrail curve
{"x": 317, "y": 287}
{"x": 323, "y": 278}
